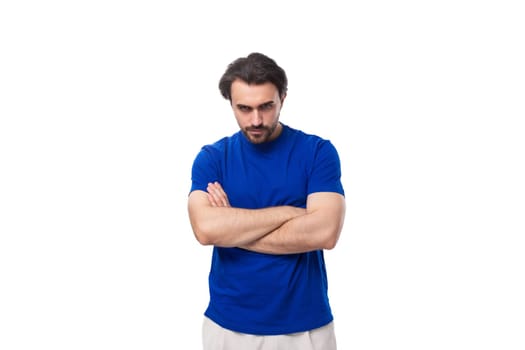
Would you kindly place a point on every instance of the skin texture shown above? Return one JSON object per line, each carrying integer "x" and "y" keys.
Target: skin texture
{"x": 273, "y": 230}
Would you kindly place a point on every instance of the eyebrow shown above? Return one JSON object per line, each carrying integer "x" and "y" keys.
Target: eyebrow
{"x": 271, "y": 102}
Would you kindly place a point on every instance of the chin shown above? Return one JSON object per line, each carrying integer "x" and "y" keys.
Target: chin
{"x": 258, "y": 140}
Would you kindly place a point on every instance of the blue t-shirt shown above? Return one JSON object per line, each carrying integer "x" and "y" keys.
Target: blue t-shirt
{"x": 268, "y": 294}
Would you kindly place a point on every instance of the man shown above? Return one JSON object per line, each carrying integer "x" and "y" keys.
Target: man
{"x": 269, "y": 198}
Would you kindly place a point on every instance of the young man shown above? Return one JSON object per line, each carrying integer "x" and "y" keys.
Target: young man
{"x": 269, "y": 198}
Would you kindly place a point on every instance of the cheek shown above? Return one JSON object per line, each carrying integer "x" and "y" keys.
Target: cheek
{"x": 242, "y": 120}
{"x": 271, "y": 117}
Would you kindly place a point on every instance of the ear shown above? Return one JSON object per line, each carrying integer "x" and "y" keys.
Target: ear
{"x": 283, "y": 96}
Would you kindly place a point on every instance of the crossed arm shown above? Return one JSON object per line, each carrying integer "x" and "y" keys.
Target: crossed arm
{"x": 272, "y": 230}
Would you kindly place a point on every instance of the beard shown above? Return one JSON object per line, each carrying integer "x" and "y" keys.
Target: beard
{"x": 259, "y": 134}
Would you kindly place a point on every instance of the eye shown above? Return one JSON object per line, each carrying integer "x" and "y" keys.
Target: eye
{"x": 244, "y": 108}
{"x": 266, "y": 106}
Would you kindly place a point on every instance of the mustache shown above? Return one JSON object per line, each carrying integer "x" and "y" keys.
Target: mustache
{"x": 261, "y": 127}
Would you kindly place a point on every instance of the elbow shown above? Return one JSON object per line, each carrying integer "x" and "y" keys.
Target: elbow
{"x": 207, "y": 236}
{"x": 202, "y": 236}
{"x": 331, "y": 238}
{"x": 203, "y": 239}
{"x": 332, "y": 234}
{"x": 330, "y": 243}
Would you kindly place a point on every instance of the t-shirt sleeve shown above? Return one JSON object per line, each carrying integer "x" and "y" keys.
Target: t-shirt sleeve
{"x": 205, "y": 169}
{"x": 326, "y": 170}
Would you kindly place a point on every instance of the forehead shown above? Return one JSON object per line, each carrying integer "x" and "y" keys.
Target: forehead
{"x": 252, "y": 94}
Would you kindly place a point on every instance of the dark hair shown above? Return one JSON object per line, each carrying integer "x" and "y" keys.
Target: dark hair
{"x": 257, "y": 69}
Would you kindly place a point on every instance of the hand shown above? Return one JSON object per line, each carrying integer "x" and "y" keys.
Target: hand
{"x": 217, "y": 196}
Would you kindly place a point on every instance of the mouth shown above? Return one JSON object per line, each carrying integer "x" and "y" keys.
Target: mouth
{"x": 256, "y": 132}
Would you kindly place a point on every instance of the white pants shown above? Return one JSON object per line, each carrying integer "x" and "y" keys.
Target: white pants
{"x": 215, "y": 337}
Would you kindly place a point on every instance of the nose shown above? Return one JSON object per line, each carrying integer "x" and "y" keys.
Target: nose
{"x": 256, "y": 117}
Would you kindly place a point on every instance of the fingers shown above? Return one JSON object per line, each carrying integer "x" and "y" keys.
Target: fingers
{"x": 217, "y": 196}
{"x": 211, "y": 200}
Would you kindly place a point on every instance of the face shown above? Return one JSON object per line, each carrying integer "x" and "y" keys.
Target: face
{"x": 257, "y": 108}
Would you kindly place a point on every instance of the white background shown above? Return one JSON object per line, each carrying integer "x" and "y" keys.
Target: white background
{"x": 104, "y": 104}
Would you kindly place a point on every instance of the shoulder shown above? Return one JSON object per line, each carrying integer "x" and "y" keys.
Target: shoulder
{"x": 220, "y": 145}
{"x": 313, "y": 141}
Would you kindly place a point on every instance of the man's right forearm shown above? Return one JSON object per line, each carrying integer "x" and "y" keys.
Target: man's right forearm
{"x": 232, "y": 227}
